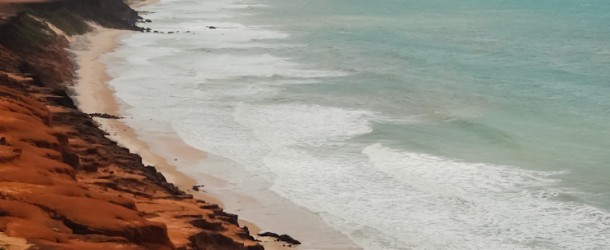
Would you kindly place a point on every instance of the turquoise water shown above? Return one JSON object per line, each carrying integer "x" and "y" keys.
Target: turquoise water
{"x": 402, "y": 124}
{"x": 524, "y": 83}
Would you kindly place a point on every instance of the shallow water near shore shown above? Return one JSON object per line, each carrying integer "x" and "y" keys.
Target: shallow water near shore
{"x": 400, "y": 124}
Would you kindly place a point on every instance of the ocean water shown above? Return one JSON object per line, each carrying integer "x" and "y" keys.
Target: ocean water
{"x": 403, "y": 124}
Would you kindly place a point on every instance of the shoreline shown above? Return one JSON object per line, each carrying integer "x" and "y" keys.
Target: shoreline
{"x": 93, "y": 94}
{"x": 181, "y": 163}
{"x": 66, "y": 183}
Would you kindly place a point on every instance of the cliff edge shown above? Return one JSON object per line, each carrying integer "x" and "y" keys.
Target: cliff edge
{"x": 63, "y": 184}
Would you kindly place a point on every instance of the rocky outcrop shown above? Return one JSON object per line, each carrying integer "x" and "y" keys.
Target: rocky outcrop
{"x": 284, "y": 237}
{"x": 64, "y": 184}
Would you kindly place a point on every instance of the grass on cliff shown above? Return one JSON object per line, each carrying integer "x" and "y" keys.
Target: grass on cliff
{"x": 67, "y": 21}
{"x": 26, "y": 30}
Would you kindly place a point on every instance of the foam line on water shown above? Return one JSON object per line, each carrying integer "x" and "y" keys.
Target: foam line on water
{"x": 313, "y": 125}
{"x": 485, "y": 204}
{"x": 221, "y": 91}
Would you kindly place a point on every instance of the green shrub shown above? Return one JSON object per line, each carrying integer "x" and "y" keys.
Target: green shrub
{"x": 26, "y": 30}
{"x": 69, "y": 22}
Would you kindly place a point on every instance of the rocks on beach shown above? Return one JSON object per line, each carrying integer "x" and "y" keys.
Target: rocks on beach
{"x": 198, "y": 187}
{"x": 284, "y": 237}
{"x": 105, "y": 116}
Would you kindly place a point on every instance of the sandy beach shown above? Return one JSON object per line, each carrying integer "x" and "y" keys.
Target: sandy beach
{"x": 93, "y": 94}
{"x": 170, "y": 153}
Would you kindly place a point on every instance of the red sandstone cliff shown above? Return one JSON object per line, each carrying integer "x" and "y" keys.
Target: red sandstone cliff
{"x": 63, "y": 184}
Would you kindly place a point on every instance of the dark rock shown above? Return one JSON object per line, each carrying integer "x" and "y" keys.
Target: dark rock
{"x": 160, "y": 177}
{"x": 198, "y": 187}
{"x": 284, "y": 237}
{"x": 91, "y": 151}
{"x": 62, "y": 139}
{"x": 71, "y": 159}
{"x": 181, "y": 195}
{"x": 89, "y": 167}
{"x": 231, "y": 218}
{"x": 204, "y": 224}
{"x": 103, "y": 115}
{"x": 61, "y": 100}
{"x": 213, "y": 240}
{"x": 212, "y": 27}
{"x": 210, "y": 206}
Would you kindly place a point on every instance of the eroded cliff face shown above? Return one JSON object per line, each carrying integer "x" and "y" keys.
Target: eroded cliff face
{"x": 63, "y": 184}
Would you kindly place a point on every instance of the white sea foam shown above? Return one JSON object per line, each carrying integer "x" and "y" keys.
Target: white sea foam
{"x": 406, "y": 200}
{"x": 463, "y": 205}
{"x": 282, "y": 125}
{"x": 391, "y": 199}
{"x": 220, "y": 90}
